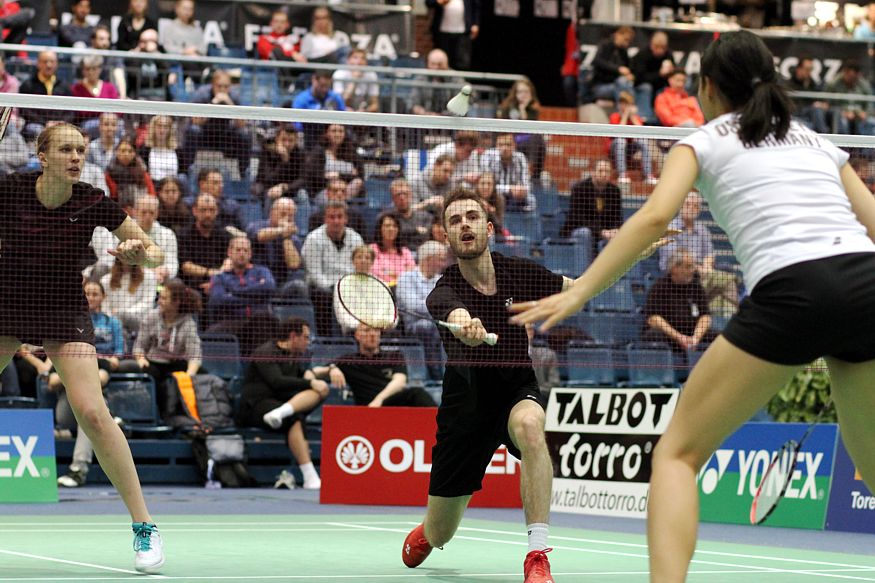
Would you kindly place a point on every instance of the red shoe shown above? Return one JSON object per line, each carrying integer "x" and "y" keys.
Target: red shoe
{"x": 537, "y": 567}
{"x": 416, "y": 548}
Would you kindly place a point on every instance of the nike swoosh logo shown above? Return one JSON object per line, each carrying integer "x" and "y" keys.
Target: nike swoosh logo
{"x": 74, "y": 219}
{"x": 80, "y": 330}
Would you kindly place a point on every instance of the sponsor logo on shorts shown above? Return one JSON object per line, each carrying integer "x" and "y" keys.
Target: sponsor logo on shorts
{"x": 74, "y": 219}
{"x": 80, "y": 330}
{"x": 354, "y": 454}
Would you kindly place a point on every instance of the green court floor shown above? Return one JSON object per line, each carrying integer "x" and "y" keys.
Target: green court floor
{"x": 367, "y": 549}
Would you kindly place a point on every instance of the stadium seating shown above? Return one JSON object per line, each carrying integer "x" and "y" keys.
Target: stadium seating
{"x": 617, "y": 298}
{"x": 568, "y": 257}
{"x": 611, "y": 328}
{"x": 132, "y": 397}
{"x": 590, "y": 366}
{"x": 260, "y": 86}
{"x": 651, "y": 364}
{"x": 18, "y": 403}
{"x": 379, "y": 196}
{"x": 327, "y": 349}
{"x": 221, "y": 355}
{"x": 514, "y": 247}
{"x": 414, "y": 358}
{"x": 238, "y": 190}
{"x": 525, "y": 224}
{"x": 283, "y": 309}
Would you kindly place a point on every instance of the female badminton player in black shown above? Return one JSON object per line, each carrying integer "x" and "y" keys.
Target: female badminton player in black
{"x": 802, "y": 226}
{"x": 46, "y": 222}
{"x": 490, "y": 393}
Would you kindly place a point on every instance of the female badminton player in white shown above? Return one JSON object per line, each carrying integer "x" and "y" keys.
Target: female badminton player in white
{"x": 802, "y": 226}
{"x": 47, "y": 219}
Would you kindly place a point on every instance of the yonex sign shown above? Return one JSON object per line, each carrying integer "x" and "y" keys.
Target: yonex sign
{"x": 729, "y": 479}
{"x": 27, "y": 456}
{"x": 24, "y": 453}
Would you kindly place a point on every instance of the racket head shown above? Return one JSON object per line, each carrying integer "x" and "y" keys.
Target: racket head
{"x": 5, "y": 115}
{"x": 368, "y": 300}
{"x": 774, "y": 483}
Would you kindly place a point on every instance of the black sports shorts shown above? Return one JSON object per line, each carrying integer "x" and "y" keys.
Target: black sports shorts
{"x": 823, "y": 307}
{"x": 61, "y": 323}
{"x": 471, "y": 424}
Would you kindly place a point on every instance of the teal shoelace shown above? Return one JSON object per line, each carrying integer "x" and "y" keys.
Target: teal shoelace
{"x": 142, "y": 536}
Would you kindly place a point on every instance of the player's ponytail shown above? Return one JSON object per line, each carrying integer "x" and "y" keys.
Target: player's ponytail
{"x": 743, "y": 70}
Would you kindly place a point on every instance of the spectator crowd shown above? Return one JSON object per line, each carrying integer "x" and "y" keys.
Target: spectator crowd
{"x": 261, "y": 219}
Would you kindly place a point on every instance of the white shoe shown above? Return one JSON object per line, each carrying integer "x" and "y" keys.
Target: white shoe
{"x": 313, "y": 483}
{"x": 651, "y": 181}
{"x": 149, "y": 548}
{"x": 272, "y": 419}
{"x": 285, "y": 480}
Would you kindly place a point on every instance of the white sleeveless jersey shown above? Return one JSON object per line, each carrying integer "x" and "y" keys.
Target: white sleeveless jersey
{"x": 781, "y": 202}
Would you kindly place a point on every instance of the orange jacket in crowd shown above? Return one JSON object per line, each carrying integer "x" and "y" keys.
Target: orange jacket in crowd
{"x": 675, "y": 107}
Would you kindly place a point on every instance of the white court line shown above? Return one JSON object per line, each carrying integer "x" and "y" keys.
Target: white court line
{"x": 372, "y": 526}
{"x": 200, "y": 523}
{"x": 76, "y": 563}
{"x": 424, "y": 573}
{"x": 621, "y": 554}
{"x": 698, "y": 551}
{"x": 358, "y": 526}
{"x": 165, "y": 528}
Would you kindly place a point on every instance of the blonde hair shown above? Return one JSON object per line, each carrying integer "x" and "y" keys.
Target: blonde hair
{"x": 170, "y": 142}
{"x": 47, "y": 135}
{"x": 367, "y": 250}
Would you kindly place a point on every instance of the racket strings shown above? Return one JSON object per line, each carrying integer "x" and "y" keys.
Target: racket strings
{"x": 367, "y": 300}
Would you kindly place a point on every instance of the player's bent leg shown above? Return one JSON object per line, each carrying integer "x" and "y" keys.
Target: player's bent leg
{"x": 526, "y": 428}
{"x": 714, "y": 402}
{"x": 853, "y": 390}
{"x": 442, "y": 518}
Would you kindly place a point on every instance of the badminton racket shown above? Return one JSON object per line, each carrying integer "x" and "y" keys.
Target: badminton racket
{"x": 778, "y": 475}
{"x": 370, "y": 301}
{"x": 5, "y": 116}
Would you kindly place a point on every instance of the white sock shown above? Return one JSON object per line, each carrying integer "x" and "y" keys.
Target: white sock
{"x": 274, "y": 417}
{"x": 309, "y": 472}
{"x": 538, "y": 533}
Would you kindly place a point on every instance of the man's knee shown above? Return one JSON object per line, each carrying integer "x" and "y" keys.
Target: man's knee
{"x": 321, "y": 390}
{"x": 527, "y": 428}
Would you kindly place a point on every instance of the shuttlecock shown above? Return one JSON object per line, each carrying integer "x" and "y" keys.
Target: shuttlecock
{"x": 459, "y": 104}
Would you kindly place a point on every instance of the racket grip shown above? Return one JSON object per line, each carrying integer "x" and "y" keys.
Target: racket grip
{"x": 491, "y": 337}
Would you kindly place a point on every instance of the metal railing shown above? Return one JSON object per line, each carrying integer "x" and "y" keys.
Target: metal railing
{"x": 394, "y": 81}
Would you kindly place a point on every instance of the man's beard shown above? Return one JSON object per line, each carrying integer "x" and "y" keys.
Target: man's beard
{"x": 474, "y": 253}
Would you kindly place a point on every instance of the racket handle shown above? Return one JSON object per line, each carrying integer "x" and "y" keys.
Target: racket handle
{"x": 491, "y": 337}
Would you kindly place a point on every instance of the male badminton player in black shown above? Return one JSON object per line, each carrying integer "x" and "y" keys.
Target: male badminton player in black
{"x": 47, "y": 219}
{"x": 490, "y": 393}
